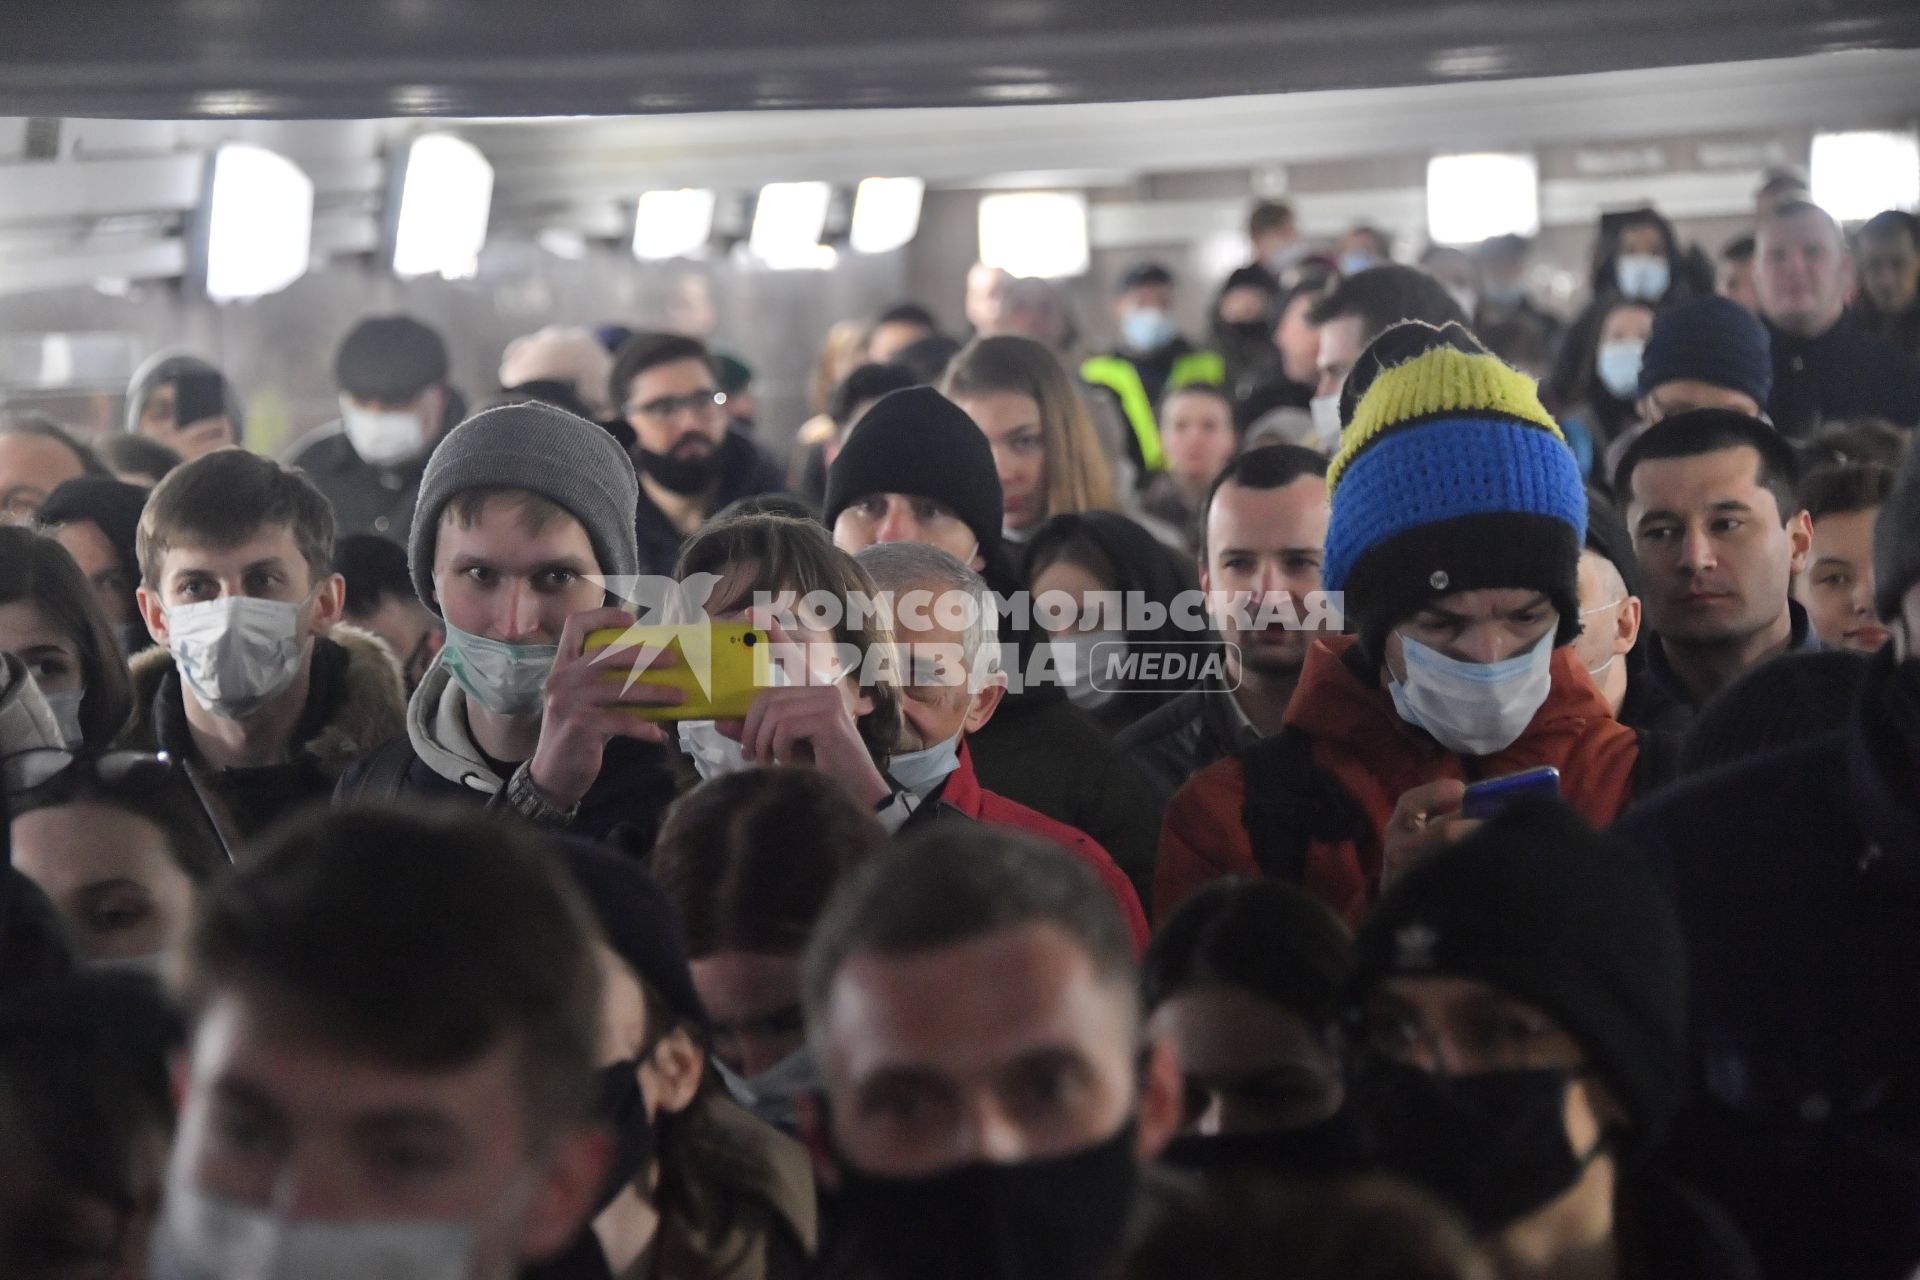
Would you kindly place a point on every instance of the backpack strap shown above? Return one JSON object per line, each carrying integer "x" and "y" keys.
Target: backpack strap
{"x": 385, "y": 774}
{"x": 1289, "y": 802}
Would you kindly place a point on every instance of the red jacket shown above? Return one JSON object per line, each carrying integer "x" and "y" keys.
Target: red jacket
{"x": 963, "y": 793}
{"x": 1360, "y": 740}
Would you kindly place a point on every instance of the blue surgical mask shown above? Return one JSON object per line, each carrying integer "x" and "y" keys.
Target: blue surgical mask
{"x": 506, "y": 679}
{"x": 1472, "y": 708}
{"x": 1354, "y": 261}
{"x": 1642, "y": 275}
{"x": 771, "y": 1094}
{"x": 1146, "y": 329}
{"x": 923, "y": 770}
{"x": 1618, "y": 365}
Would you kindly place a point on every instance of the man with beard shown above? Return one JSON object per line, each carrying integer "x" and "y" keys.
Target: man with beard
{"x": 988, "y": 1092}
{"x": 691, "y": 463}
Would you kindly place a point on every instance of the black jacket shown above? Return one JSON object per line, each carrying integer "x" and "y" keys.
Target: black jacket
{"x": 743, "y": 472}
{"x": 1844, "y": 373}
{"x": 365, "y": 498}
{"x": 1186, "y": 735}
{"x": 1797, "y": 879}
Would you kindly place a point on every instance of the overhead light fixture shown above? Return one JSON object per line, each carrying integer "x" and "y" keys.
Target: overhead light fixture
{"x": 788, "y": 221}
{"x": 886, "y": 213}
{"x": 445, "y": 197}
{"x": 672, "y": 224}
{"x": 1480, "y": 195}
{"x": 1858, "y": 174}
{"x": 1035, "y": 233}
{"x": 259, "y": 223}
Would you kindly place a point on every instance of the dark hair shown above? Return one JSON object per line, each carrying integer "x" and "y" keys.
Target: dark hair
{"x": 423, "y": 943}
{"x": 1269, "y": 215}
{"x": 926, "y": 360}
{"x": 1704, "y": 431}
{"x": 1210, "y": 390}
{"x": 375, "y": 570}
{"x": 1838, "y": 491}
{"x": 37, "y": 424}
{"x": 139, "y": 455}
{"x": 160, "y": 796}
{"x": 1268, "y": 939}
{"x": 390, "y": 359}
{"x": 748, "y": 860}
{"x": 1894, "y": 222}
{"x": 1504, "y": 246}
{"x": 952, "y": 883}
{"x": 221, "y": 499}
{"x": 1738, "y": 249}
{"x": 34, "y": 569}
{"x": 644, "y": 351}
{"x": 1784, "y": 700}
{"x": 767, "y": 504}
{"x": 34, "y": 943}
{"x": 1271, "y": 466}
{"x": 866, "y": 383}
{"x": 908, "y": 313}
{"x": 1144, "y": 275}
{"x": 1858, "y": 440}
{"x": 1385, "y": 295}
{"x": 1778, "y": 180}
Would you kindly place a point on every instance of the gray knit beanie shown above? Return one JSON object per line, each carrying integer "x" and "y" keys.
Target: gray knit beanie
{"x": 1896, "y": 543}
{"x": 543, "y": 450}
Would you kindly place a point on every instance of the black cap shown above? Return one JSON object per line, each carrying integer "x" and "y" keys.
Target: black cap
{"x": 113, "y": 505}
{"x": 390, "y": 360}
{"x": 638, "y": 922}
{"x": 919, "y": 442}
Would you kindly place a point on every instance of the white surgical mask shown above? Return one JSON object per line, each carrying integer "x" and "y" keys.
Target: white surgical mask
{"x": 1595, "y": 671}
{"x": 1618, "y": 365}
{"x": 1086, "y": 660}
{"x": 1642, "y": 275}
{"x": 235, "y": 653}
{"x": 1472, "y": 708}
{"x": 771, "y": 1094}
{"x": 923, "y": 770}
{"x": 65, "y": 706}
{"x": 713, "y": 753}
{"x": 203, "y": 1237}
{"x": 1325, "y": 411}
{"x": 383, "y": 437}
{"x": 1147, "y": 329}
{"x": 506, "y": 679}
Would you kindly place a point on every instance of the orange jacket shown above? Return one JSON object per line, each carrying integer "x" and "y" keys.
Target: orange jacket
{"x": 1362, "y": 743}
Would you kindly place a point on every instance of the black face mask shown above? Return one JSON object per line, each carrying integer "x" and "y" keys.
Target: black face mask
{"x": 1325, "y": 1149}
{"x": 1253, "y": 333}
{"x": 686, "y": 475}
{"x": 622, "y": 1109}
{"x": 1493, "y": 1145}
{"x": 1058, "y": 1219}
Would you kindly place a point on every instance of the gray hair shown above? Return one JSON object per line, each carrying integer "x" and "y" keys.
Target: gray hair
{"x": 900, "y": 567}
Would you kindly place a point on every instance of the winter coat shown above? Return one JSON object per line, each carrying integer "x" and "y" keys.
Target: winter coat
{"x": 1844, "y": 373}
{"x": 743, "y": 472}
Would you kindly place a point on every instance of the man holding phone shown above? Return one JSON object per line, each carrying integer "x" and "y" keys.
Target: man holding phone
{"x": 1455, "y": 538}
{"x": 186, "y": 404}
{"x": 522, "y": 538}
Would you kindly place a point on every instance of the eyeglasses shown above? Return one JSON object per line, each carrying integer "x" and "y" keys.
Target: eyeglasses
{"x": 701, "y": 402}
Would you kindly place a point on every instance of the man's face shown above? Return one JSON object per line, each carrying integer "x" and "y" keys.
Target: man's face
{"x": 674, "y": 409}
{"x": 1735, "y": 281}
{"x": 891, "y": 337}
{"x": 1003, "y": 1049}
{"x": 1298, "y": 340}
{"x": 31, "y": 468}
{"x": 1248, "y": 1065}
{"x": 1641, "y": 239}
{"x": 268, "y": 566}
{"x": 1246, "y": 304}
{"x": 1197, "y": 430}
{"x": 1268, "y": 545}
{"x": 940, "y": 697}
{"x": 904, "y": 517}
{"x": 497, "y": 578}
{"x": 1341, "y": 342}
{"x": 112, "y": 582}
{"x": 278, "y": 1118}
{"x": 753, "y": 999}
{"x": 1890, "y": 271}
{"x": 1715, "y": 554}
{"x": 1837, "y": 588}
{"x": 410, "y": 630}
{"x": 985, "y": 285}
{"x": 1680, "y": 395}
{"x": 195, "y": 439}
{"x": 1802, "y": 273}
{"x": 1484, "y": 626}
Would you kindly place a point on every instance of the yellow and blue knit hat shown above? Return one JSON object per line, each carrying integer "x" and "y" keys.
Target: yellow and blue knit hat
{"x": 1450, "y": 476}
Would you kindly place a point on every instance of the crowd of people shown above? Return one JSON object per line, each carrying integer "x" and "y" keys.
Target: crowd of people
{"x": 1407, "y": 785}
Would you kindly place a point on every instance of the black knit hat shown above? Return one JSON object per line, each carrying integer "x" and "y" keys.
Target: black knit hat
{"x": 389, "y": 360}
{"x": 638, "y": 922}
{"x": 1539, "y": 905}
{"x": 1896, "y": 545}
{"x": 1269, "y": 938}
{"x": 918, "y": 442}
{"x": 1714, "y": 340}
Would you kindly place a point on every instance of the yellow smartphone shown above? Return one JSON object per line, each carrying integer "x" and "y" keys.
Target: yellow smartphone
{"x": 720, "y": 666}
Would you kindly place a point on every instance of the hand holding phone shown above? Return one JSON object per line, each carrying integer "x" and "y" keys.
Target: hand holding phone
{"x": 720, "y": 667}
{"x": 1484, "y": 799}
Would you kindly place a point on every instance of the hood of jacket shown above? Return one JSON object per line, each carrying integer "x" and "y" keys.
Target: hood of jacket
{"x": 437, "y": 728}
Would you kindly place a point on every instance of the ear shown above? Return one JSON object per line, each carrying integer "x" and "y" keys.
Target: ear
{"x": 671, "y": 1077}
{"x": 1206, "y": 579}
{"x": 1627, "y": 624}
{"x": 1160, "y": 1102}
{"x": 1800, "y": 538}
{"x": 985, "y": 703}
{"x": 576, "y": 1169}
{"x": 153, "y": 613}
{"x": 329, "y": 602}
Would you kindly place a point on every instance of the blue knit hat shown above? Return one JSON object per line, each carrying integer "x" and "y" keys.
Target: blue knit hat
{"x": 1713, "y": 340}
{"x": 1450, "y": 477}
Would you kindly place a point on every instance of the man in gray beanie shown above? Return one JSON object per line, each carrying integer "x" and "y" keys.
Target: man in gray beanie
{"x": 523, "y": 542}
{"x": 1797, "y": 878}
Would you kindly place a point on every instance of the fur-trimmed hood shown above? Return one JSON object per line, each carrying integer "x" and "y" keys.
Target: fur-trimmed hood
{"x": 371, "y": 710}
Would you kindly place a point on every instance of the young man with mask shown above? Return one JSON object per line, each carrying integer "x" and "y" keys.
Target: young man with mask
{"x": 345, "y": 1114}
{"x": 1361, "y": 308}
{"x": 690, "y": 462}
{"x": 1263, "y": 535}
{"x": 521, "y": 544}
{"x": 953, "y": 684}
{"x": 1797, "y": 878}
{"x": 1152, "y": 358}
{"x": 1709, "y": 499}
{"x": 1457, "y": 523}
{"x": 1704, "y": 353}
{"x": 989, "y": 1095}
{"x": 918, "y": 469}
{"x": 253, "y": 688}
{"x": 1520, "y": 1049}
{"x": 395, "y": 401}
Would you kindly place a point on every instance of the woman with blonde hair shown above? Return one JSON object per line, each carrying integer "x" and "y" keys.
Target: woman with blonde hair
{"x": 1044, "y": 445}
